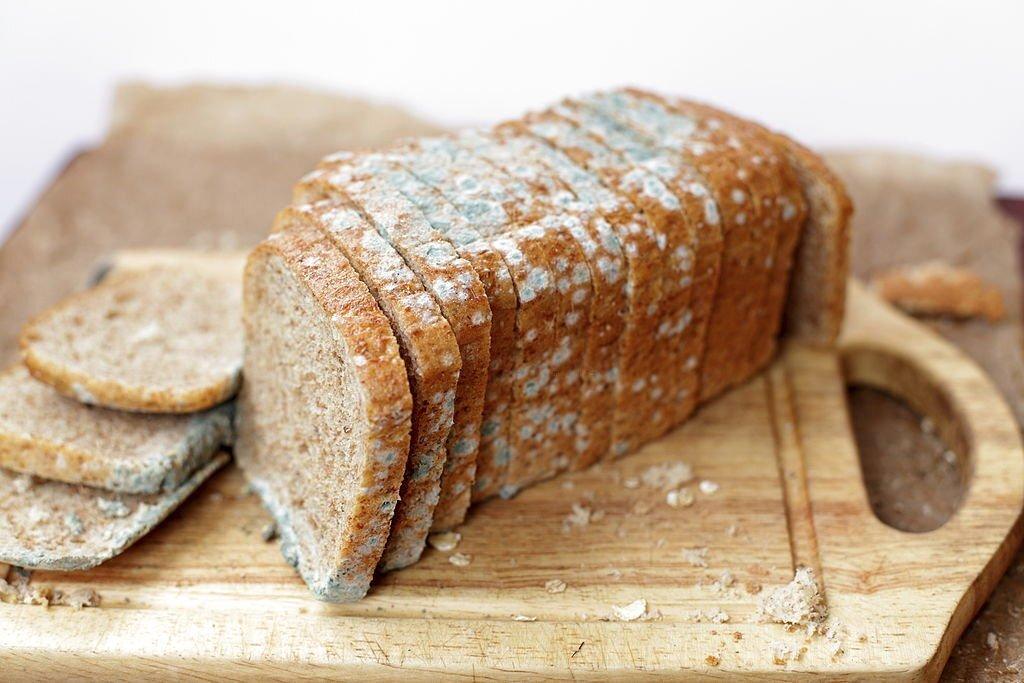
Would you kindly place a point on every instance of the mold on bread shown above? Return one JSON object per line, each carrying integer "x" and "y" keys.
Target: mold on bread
{"x": 50, "y": 436}
{"x": 51, "y": 525}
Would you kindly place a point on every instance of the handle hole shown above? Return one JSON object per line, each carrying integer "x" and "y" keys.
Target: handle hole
{"x": 912, "y": 445}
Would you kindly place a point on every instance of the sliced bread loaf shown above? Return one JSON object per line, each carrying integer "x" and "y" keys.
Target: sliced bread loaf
{"x": 51, "y": 525}
{"x": 430, "y": 352}
{"x": 50, "y": 436}
{"x": 324, "y": 414}
{"x": 165, "y": 338}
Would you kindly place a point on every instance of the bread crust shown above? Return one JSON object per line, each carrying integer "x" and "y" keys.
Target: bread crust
{"x": 370, "y": 351}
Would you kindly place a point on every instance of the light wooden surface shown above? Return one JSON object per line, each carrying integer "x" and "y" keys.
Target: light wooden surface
{"x": 203, "y": 596}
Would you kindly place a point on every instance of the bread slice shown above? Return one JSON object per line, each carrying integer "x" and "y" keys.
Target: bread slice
{"x": 124, "y": 260}
{"x": 160, "y": 339}
{"x": 50, "y": 436}
{"x": 540, "y": 258}
{"x": 675, "y": 333}
{"x": 538, "y": 164}
{"x": 52, "y": 525}
{"x": 817, "y": 285}
{"x": 430, "y": 352}
{"x": 741, "y": 185}
{"x": 492, "y": 454}
{"x": 776, "y": 192}
{"x": 374, "y": 183}
{"x": 324, "y": 414}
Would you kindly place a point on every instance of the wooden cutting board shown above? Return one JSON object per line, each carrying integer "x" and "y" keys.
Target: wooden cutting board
{"x": 204, "y": 596}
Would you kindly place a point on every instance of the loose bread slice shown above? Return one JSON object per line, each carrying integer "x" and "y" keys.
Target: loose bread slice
{"x": 51, "y": 525}
{"x": 324, "y": 414}
{"x": 50, "y": 436}
{"x": 431, "y": 354}
{"x": 160, "y": 339}
{"x": 817, "y": 287}
{"x": 228, "y": 263}
{"x": 374, "y": 184}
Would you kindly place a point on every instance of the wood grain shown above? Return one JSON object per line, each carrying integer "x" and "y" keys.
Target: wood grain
{"x": 204, "y": 596}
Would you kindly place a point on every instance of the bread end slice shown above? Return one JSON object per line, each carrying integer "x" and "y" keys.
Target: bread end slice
{"x": 821, "y": 265}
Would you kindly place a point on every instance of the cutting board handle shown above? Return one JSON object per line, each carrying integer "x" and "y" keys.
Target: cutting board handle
{"x": 885, "y": 349}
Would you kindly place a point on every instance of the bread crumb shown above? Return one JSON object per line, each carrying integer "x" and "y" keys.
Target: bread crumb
{"x": 992, "y": 641}
{"x": 782, "y": 652}
{"x": 712, "y": 660}
{"x": 798, "y": 603}
{"x": 708, "y": 487}
{"x": 269, "y": 532}
{"x": 77, "y": 599}
{"x": 631, "y": 612}
{"x": 580, "y": 516}
{"x": 522, "y": 617}
{"x": 732, "y": 530}
{"x": 938, "y": 288}
{"x": 555, "y": 586}
{"x": 460, "y": 559}
{"x": 680, "y": 498}
{"x": 667, "y": 476}
{"x": 696, "y": 557}
{"x": 446, "y": 541}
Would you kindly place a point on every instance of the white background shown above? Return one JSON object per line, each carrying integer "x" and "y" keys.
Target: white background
{"x": 940, "y": 77}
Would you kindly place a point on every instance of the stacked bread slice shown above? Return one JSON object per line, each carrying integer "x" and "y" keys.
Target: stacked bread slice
{"x": 513, "y": 303}
{"x": 118, "y": 412}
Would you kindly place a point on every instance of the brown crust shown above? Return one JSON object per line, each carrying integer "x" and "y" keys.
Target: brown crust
{"x": 386, "y": 407}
